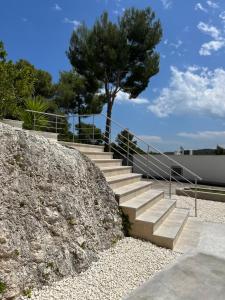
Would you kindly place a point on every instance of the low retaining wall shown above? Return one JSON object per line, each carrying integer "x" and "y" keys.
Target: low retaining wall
{"x": 14, "y": 123}
{"x": 48, "y": 135}
{"x": 207, "y": 195}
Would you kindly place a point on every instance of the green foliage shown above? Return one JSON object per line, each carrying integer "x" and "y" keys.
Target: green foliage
{"x": 27, "y": 293}
{"x": 75, "y": 94}
{"x": 18, "y": 82}
{"x": 89, "y": 133}
{"x": 220, "y": 150}
{"x": 125, "y": 144}
{"x": 3, "y": 53}
{"x": 8, "y": 105}
{"x": 34, "y": 120}
{"x": 2, "y": 287}
{"x": 121, "y": 56}
{"x": 43, "y": 85}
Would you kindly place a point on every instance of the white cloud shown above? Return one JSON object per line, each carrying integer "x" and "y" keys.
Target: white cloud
{"x": 24, "y": 20}
{"x": 177, "y": 45}
{"x": 212, "y": 46}
{"x": 57, "y": 7}
{"x": 199, "y": 6}
{"x": 195, "y": 90}
{"x": 222, "y": 15}
{"x": 203, "y": 134}
{"x": 150, "y": 138}
{"x": 210, "y": 30}
{"x": 212, "y": 4}
{"x": 124, "y": 97}
{"x": 74, "y": 22}
{"x": 166, "y": 3}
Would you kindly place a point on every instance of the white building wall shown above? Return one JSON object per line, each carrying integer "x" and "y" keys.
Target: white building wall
{"x": 210, "y": 167}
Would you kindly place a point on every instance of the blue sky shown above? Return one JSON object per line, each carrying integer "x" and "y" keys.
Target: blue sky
{"x": 184, "y": 104}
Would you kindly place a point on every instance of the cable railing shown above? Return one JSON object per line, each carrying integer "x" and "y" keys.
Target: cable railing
{"x": 146, "y": 158}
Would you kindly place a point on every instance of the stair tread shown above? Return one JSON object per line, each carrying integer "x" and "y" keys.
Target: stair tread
{"x": 115, "y": 168}
{"x": 131, "y": 187}
{"x": 80, "y": 144}
{"x": 103, "y": 159}
{"x": 97, "y": 153}
{"x": 122, "y": 176}
{"x": 154, "y": 213}
{"x": 171, "y": 226}
{"x": 142, "y": 199}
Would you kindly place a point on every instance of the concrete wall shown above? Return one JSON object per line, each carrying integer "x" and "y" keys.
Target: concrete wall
{"x": 210, "y": 167}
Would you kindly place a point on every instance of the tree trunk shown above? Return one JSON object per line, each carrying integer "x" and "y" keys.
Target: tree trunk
{"x": 79, "y": 121}
{"x": 108, "y": 127}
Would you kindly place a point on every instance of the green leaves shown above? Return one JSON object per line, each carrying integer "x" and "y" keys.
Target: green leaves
{"x": 33, "y": 120}
{"x": 18, "y": 82}
{"x": 122, "y": 55}
{"x": 76, "y": 94}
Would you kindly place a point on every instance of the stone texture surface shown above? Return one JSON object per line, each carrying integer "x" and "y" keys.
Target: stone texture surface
{"x": 56, "y": 212}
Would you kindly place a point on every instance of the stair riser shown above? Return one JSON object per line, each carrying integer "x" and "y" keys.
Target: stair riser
{"x": 103, "y": 155}
{"x": 132, "y": 194}
{"x": 141, "y": 229}
{"x": 164, "y": 216}
{"x": 116, "y": 172}
{"x": 124, "y": 182}
{"x": 134, "y": 213}
{"x": 180, "y": 231}
{"x": 163, "y": 242}
{"x": 108, "y": 164}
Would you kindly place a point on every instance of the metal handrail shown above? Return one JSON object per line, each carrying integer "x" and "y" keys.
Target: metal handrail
{"x": 139, "y": 163}
{"x": 142, "y": 163}
{"x": 157, "y": 161}
{"x": 122, "y": 127}
{"x": 148, "y": 174}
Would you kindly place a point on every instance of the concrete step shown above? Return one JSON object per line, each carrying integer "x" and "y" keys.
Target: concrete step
{"x": 169, "y": 231}
{"x": 83, "y": 147}
{"x": 123, "y": 180}
{"x": 132, "y": 190}
{"x": 146, "y": 223}
{"x": 136, "y": 206}
{"x": 98, "y": 155}
{"x": 113, "y": 171}
{"x": 107, "y": 162}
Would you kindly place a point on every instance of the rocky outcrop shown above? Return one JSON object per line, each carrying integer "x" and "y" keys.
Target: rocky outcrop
{"x": 56, "y": 212}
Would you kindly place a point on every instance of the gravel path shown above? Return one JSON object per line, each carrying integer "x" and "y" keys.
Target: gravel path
{"x": 119, "y": 270}
{"x": 208, "y": 211}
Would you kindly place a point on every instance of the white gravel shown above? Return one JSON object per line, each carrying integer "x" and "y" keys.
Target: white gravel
{"x": 119, "y": 270}
{"x": 208, "y": 211}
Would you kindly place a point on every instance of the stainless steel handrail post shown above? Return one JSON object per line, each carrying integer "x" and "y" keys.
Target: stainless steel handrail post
{"x": 34, "y": 121}
{"x": 128, "y": 148}
{"x": 73, "y": 128}
{"x": 148, "y": 160}
{"x": 170, "y": 186}
{"x": 196, "y": 183}
{"x": 93, "y": 130}
{"x": 56, "y": 125}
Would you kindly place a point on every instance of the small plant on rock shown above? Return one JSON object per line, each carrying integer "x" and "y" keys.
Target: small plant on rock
{"x": 2, "y": 287}
{"x": 27, "y": 293}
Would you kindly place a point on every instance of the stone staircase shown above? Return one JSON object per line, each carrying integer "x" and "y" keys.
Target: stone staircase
{"x": 153, "y": 217}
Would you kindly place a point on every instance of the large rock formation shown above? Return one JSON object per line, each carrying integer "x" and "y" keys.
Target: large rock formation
{"x": 56, "y": 212}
